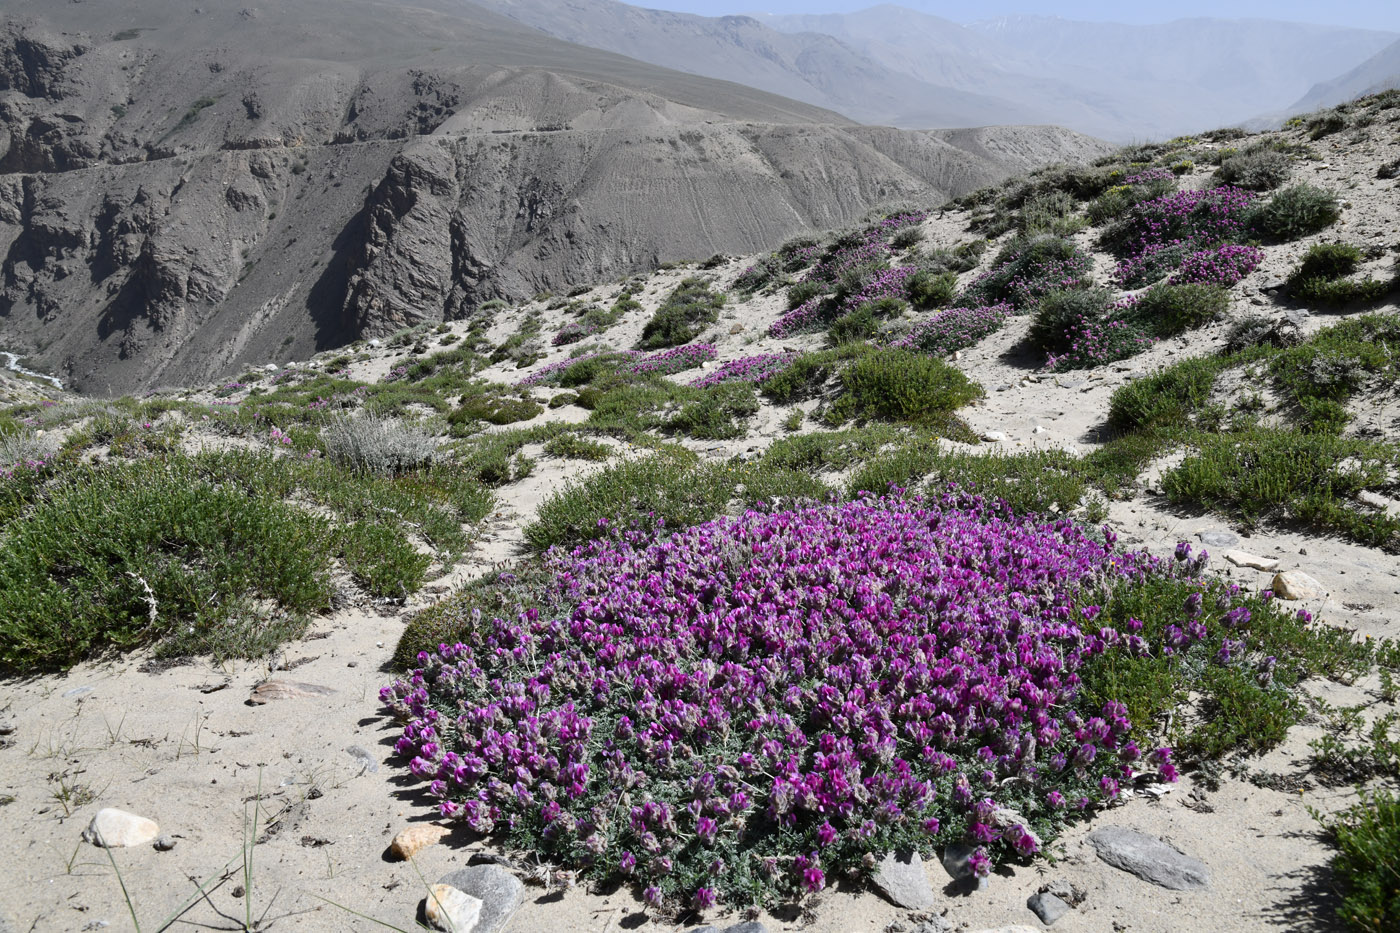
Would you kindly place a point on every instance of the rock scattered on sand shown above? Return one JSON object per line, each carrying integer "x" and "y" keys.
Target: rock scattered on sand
{"x": 1218, "y": 538}
{"x": 1065, "y": 891}
{"x": 164, "y": 843}
{"x": 364, "y": 758}
{"x": 1294, "y": 585}
{"x": 1047, "y": 907}
{"x": 955, "y": 861}
{"x": 270, "y": 690}
{"x": 500, "y": 892}
{"x": 994, "y": 437}
{"x": 902, "y": 879}
{"x": 446, "y": 908}
{"x": 412, "y": 839}
{"x": 750, "y": 926}
{"x": 1253, "y": 561}
{"x": 1149, "y": 858}
{"x": 115, "y": 829}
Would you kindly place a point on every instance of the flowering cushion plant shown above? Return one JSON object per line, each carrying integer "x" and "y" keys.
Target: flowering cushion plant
{"x": 740, "y": 709}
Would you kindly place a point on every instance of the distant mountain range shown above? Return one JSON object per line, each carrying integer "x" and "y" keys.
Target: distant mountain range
{"x": 1380, "y": 72}
{"x": 187, "y": 190}
{"x": 897, "y": 66}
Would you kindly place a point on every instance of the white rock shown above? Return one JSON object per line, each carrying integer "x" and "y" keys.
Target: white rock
{"x": 1294, "y": 585}
{"x": 1245, "y": 559}
{"x": 271, "y": 367}
{"x": 994, "y": 437}
{"x": 446, "y": 908}
{"x": 114, "y": 829}
{"x": 1040, "y": 429}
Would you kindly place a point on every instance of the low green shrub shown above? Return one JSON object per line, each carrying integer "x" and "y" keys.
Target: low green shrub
{"x": 1258, "y": 168}
{"x": 683, "y": 316}
{"x": 1165, "y": 310}
{"x": 1321, "y": 277}
{"x": 866, "y": 320}
{"x": 1367, "y": 864}
{"x": 897, "y": 385}
{"x": 571, "y": 446}
{"x": 494, "y": 409}
{"x": 1167, "y": 398}
{"x": 716, "y": 413}
{"x": 1029, "y": 482}
{"x": 1293, "y": 213}
{"x": 1057, "y": 314}
{"x": 659, "y": 488}
{"x": 928, "y": 289}
{"x": 121, "y": 556}
{"x": 1309, "y": 479}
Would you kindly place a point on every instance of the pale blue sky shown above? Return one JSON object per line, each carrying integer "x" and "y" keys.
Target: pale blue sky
{"x": 1371, "y": 14}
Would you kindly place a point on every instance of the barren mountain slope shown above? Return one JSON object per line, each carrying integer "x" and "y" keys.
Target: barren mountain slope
{"x": 1377, "y": 73}
{"x": 190, "y": 189}
{"x": 279, "y": 781}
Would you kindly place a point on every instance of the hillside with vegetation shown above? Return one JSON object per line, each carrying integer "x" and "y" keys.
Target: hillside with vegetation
{"x": 1032, "y": 553}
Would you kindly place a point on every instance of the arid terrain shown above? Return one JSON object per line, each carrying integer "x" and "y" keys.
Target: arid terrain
{"x": 281, "y": 809}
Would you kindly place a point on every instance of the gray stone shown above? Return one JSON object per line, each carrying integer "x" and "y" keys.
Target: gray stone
{"x": 902, "y": 879}
{"x": 446, "y": 908}
{"x": 363, "y": 757}
{"x": 115, "y": 829}
{"x": 1047, "y": 907}
{"x": 1149, "y": 858}
{"x": 1218, "y": 538}
{"x": 749, "y": 926}
{"x": 936, "y": 925}
{"x": 164, "y": 843}
{"x": 1295, "y": 585}
{"x": 500, "y": 892}
{"x": 955, "y": 861}
{"x": 1065, "y": 891}
{"x": 270, "y": 690}
{"x": 1252, "y": 561}
{"x": 82, "y": 691}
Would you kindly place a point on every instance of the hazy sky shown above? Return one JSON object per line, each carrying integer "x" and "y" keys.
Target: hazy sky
{"x": 1372, "y": 14}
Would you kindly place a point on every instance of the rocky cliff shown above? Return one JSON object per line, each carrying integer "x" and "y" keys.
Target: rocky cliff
{"x": 188, "y": 190}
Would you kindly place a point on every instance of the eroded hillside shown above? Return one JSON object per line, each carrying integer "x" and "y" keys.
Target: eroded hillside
{"x": 683, "y": 544}
{"x": 184, "y": 190}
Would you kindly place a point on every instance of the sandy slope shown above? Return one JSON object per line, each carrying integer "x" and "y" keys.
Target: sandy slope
{"x": 181, "y": 745}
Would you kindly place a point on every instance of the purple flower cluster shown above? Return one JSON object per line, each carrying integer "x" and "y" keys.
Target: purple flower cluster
{"x": 573, "y": 332}
{"x": 1157, "y": 235}
{"x": 1223, "y": 265}
{"x": 674, "y": 360}
{"x": 816, "y": 313}
{"x": 1148, "y": 176}
{"x": 894, "y": 223}
{"x": 395, "y": 374}
{"x": 547, "y": 375}
{"x": 29, "y": 464}
{"x": 868, "y": 253}
{"x": 755, "y": 369}
{"x": 953, "y": 329}
{"x": 816, "y": 683}
{"x": 1024, "y": 281}
{"x": 807, "y": 316}
{"x": 1105, "y": 340}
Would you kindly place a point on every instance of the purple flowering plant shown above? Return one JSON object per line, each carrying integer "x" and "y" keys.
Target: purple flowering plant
{"x": 739, "y": 710}
{"x": 755, "y": 369}
{"x": 953, "y": 329}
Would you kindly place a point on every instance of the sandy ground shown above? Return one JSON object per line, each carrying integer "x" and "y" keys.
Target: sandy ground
{"x": 182, "y": 746}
